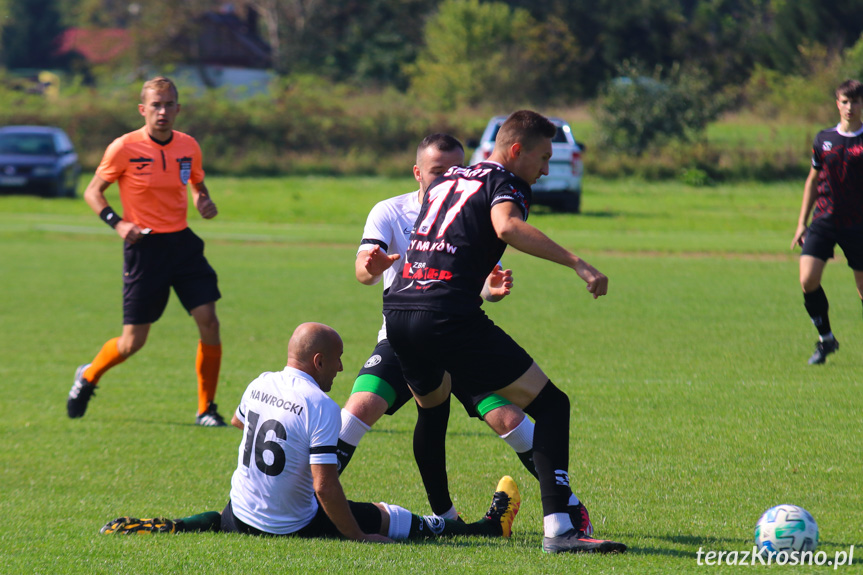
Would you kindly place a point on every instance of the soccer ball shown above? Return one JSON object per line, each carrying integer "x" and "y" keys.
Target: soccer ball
{"x": 786, "y": 528}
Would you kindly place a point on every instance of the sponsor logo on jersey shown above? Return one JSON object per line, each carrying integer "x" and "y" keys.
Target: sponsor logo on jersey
{"x": 185, "y": 170}
{"x": 142, "y": 164}
{"x": 275, "y": 401}
{"x": 430, "y": 246}
{"x": 827, "y": 146}
{"x": 372, "y": 361}
{"x": 425, "y": 275}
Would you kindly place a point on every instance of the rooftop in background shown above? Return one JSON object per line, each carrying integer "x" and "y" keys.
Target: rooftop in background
{"x": 96, "y": 45}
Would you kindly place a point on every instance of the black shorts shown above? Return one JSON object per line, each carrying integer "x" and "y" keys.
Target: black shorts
{"x": 158, "y": 262}
{"x": 823, "y": 237}
{"x": 479, "y": 355}
{"x": 368, "y": 517}
{"x": 382, "y": 375}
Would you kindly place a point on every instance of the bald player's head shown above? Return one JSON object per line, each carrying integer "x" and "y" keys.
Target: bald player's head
{"x": 316, "y": 349}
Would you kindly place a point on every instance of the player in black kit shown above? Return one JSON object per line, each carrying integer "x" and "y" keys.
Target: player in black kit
{"x": 835, "y": 189}
{"x": 436, "y": 325}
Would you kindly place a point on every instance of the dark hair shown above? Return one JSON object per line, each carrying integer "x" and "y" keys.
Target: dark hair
{"x": 441, "y": 142}
{"x": 850, "y": 89}
{"x": 525, "y": 127}
{"x": 160, "y": 84}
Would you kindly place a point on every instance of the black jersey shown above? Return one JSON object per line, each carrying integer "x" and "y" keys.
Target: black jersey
{"x": 453, "y": 246}
{"x": 838, "y": 157}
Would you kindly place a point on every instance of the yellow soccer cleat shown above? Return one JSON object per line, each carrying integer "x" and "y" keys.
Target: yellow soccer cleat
{"x": 504, "y": 505}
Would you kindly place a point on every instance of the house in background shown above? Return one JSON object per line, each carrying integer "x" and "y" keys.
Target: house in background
{"x": 219, "y": 50}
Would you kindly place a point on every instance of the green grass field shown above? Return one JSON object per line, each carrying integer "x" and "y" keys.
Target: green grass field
{"x": 693, "y": 408}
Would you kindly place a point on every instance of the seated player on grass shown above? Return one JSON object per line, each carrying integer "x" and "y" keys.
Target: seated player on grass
{"x": 287, "y": 479}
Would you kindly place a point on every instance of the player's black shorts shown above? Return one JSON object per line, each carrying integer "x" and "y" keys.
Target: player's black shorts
{"x": 479, "y": 355}
{"x": 382, "y": 375}
{"x": 158, "y": 262}
{"x": 368, "y": 517}
{"x": 822, "y": 238}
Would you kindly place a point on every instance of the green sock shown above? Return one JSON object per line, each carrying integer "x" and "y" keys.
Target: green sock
{"x": 207, "y": 521}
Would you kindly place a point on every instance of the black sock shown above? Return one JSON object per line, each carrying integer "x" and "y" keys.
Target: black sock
{"x": 526, "y": 459}
{"x": 207, "y": 521}
{"x": 817, "y": 306}
{"x": 431, "y": 526}
{"x": 430, "y": 454}
{"x": 344, "y": 453}
{"x": 550, "y": 412}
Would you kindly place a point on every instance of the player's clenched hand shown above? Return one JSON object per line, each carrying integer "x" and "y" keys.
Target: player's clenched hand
{"x": 499, "y": 282}
{"x": 799, "y": 236}
{"x": 377, "y": 261}
{"x": 597, "y": 283}
{"x": 129, "y": 231}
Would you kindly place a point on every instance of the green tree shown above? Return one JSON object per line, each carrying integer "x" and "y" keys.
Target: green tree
{"x": 30, "y": 33}
{"x": 468, "y": 50}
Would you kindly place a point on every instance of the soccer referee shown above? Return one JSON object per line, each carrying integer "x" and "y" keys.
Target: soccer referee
{"x": 153, "y": 167}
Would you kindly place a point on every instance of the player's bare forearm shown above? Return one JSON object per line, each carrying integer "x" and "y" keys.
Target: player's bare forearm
{"x": 332, "y": 498}
{"x": 810, "y": 194}
{"x": 203, "y": 202}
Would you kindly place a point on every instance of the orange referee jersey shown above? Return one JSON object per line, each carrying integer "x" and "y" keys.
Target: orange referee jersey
{"x": 153, "y": 178}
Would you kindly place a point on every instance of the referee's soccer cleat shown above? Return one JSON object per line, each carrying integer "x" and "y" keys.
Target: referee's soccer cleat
{"x": 211, "y": 417}
{"x": 822, "y": 350}
{"x": 80, "y": 394}
{"x": 134, "y": 526}
{"x": 581, "y": 519}
{"x": 504, "y": 506}
{"x": 574, "y": 541}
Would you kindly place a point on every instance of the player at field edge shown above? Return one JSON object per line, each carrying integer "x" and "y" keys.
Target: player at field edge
{"x": 153, "y": 167}
{"x": 833, "y": 189}
{"x": 436, "y": 325}
{"x": 380, "y": 387}
{"x": 287, "y": 480}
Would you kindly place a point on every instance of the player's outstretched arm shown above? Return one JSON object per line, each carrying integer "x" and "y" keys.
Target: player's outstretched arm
{"x": 203, "y": 202}
{"x": 332, "y": 498}
{"x": 372, "y": 263}
{"x": 94, "y": 195}
{"x": 506, "y": 217}
{"x": 810, "y": 193}
{"x": 497, "y": 285}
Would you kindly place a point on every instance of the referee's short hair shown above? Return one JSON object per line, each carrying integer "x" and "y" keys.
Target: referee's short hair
{"x": 159, "y": 84}
{"x": 851, "y": 89}
{"x": 525, "y": 127}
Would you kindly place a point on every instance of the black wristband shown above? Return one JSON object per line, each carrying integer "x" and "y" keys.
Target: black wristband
{"x": 110, "y": 217}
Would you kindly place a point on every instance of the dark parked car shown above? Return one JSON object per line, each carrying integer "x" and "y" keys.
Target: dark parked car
{"x": 38, "y": 159}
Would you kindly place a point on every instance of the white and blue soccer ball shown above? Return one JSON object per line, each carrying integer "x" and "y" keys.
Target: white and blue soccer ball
{"x": 786, "y": 528}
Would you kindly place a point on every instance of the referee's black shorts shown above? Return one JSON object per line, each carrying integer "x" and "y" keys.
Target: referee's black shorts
{"x": 158, "y": 262}
{"x": 479, "y": 355}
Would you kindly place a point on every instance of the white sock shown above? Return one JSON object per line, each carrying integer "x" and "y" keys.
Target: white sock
{"x": 520, "y": 438}
{"x": 573, "y": 500}
{"x": 556, "y": 524}
{"x": 450, "y": 514}
{"x": 400, "y": 521}
{"x": 353, "y": 428}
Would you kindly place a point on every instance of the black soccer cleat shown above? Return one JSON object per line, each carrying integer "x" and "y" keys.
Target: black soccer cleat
{"x": 80, "y": 394}
{"x": 504, "y": 507}
{"x": 574, "y": 541}
{"x": 581, "y": 519}
{"x": 822, "y": 350}
{"x": 134, "y": 526}
{"x": 211, "y": 417}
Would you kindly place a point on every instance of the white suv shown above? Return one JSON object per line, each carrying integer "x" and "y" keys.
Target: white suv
{"x": 561, "y": 188}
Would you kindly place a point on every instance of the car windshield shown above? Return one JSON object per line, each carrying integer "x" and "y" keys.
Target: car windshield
{"x": 27, "y": 144}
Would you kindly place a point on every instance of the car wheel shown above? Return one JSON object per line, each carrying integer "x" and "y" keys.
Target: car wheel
{"x": 572, "y": 202}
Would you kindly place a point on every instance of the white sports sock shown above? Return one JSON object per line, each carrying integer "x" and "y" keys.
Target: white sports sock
{"x": 520, "y": 438}
{"x": 450, "y": 514}
{"x": 556, "y": 524}
{"x": 353, "y": 428}
{"x": 573, "y": 500}
{"x": 400, "y": 521}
